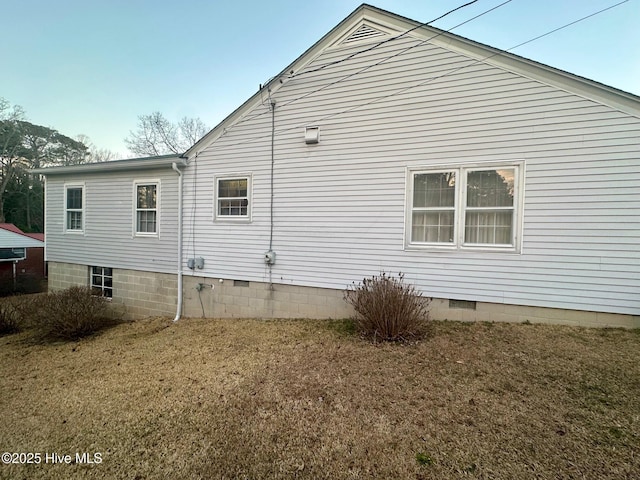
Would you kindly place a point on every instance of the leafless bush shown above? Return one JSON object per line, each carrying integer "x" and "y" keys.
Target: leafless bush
{"x": 10, "y": 319}
{"x": 388, "y": 309}
{"x": 70, "y": 314}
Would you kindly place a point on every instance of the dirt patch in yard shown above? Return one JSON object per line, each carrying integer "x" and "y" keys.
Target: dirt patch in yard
{"x": 304, "y": 399}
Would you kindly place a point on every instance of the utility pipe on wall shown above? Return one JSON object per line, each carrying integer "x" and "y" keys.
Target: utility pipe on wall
{"x": 174, "y": 166}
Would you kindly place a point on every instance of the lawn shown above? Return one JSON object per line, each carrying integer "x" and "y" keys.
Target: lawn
{"x": 227, "y": 399}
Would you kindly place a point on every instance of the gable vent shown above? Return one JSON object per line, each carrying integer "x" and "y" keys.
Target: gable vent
{"x": 364, "y": 32}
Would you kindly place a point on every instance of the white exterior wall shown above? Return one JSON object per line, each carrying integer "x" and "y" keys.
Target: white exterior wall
{"x": 339, "y": 206}
{"x": 108, "y": 239}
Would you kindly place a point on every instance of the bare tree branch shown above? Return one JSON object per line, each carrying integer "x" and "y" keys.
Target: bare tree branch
{"x": 97, "y": 155}
{"x": 156, "y": 135}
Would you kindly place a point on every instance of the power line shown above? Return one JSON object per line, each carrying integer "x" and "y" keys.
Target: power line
{"x": 349, "y": 57}
{"x": 452, "y": 72}
{"x": 398, "y": 92}
{"x": 394, "y": 55}
{"x": 330, "y": 84}
{"x": 568, "y": 25}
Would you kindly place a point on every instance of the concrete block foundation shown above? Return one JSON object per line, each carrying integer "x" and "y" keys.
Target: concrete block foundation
{"x": 143, "y": 294}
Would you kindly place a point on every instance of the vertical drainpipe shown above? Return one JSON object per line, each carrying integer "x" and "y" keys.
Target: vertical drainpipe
{"x": 174, "y": 166}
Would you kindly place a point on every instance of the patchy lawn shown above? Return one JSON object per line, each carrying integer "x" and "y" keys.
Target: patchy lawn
{"x": 230, "y": 399}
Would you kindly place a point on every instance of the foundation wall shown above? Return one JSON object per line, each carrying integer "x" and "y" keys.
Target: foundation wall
{"x": 233, "y": 298}
{"x": 142, "y": 294}
{"x": 136, "y": 294}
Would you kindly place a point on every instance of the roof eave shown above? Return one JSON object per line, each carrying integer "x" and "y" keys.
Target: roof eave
{"x": 146, "y": 163}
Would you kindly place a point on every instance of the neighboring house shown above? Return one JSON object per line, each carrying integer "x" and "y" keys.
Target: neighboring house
{"x": 21, "y": 259}
{"x": 503, "y": 188}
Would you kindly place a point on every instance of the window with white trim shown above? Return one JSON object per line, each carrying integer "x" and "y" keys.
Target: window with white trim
{"x": 102, "y": 281}
{"x": 465, "y": 207}
{"x": 233, "y": 197}
{"x": 146, "y": 208}
{"x": 74, "y": 208}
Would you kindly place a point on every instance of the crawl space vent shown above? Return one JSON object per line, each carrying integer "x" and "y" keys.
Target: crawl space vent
{"x": 464, "y": 304}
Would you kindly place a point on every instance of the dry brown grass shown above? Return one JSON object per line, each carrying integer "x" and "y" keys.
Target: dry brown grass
{"x": 223, "y": 399}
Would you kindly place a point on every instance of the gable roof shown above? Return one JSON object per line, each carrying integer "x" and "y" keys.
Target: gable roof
{"x": 36, "y": 236}
{"x": 11, "y": 227}
{"x": 369, "y": 24}
{"x": 12, "y": 237}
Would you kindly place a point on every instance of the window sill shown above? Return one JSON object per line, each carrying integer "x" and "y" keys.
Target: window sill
{"x": 232, "y": 220}
{"x": 74, "y": 232}
{"x": 108, "y": 299}
{"x": 461, "y": 249}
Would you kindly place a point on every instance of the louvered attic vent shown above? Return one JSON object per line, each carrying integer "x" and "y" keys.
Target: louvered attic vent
{"x": 364, "y": 32}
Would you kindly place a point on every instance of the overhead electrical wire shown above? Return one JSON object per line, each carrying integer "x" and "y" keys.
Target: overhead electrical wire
{"x": 404, "y": 89}
{"x": 422, "y": 42}
{"x": 476, "y": 62}
{"x": 349, "y": 57}
{"x": 251, "y": 117}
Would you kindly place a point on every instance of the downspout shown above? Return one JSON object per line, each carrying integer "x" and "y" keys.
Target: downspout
{"x": 174, "y": 166}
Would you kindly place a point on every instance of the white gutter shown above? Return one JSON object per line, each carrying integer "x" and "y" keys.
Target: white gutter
{"x": 174, "y": 166}
{"x": 127, "y": 164}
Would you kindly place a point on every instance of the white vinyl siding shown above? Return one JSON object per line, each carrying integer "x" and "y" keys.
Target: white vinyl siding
{"x": 74, "y": 208}
{"x": 340, "y": 206}
{"x": 110, "y": 222}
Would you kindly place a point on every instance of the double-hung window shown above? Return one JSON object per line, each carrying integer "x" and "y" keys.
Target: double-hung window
{"x": 146, "y": 211}
{"x": 74, "y": 208}
{"x": 233, "y": 198}
{"x": 471, "y": 207}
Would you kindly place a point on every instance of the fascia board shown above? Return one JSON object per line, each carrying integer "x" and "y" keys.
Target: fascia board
{"x": 114, "y": 166}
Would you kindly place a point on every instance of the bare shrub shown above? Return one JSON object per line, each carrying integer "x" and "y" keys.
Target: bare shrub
{"x": 10, "y": 319}
{"x": 387, "y": 308}
{"x": 23, "y": 284}
{"x": 70, "y": 314}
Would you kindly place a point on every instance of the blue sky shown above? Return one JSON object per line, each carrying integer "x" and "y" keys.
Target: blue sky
{"x": 92, "y": 66}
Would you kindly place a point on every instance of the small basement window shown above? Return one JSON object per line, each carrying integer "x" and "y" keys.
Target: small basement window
{"x": 102, "y": 281}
